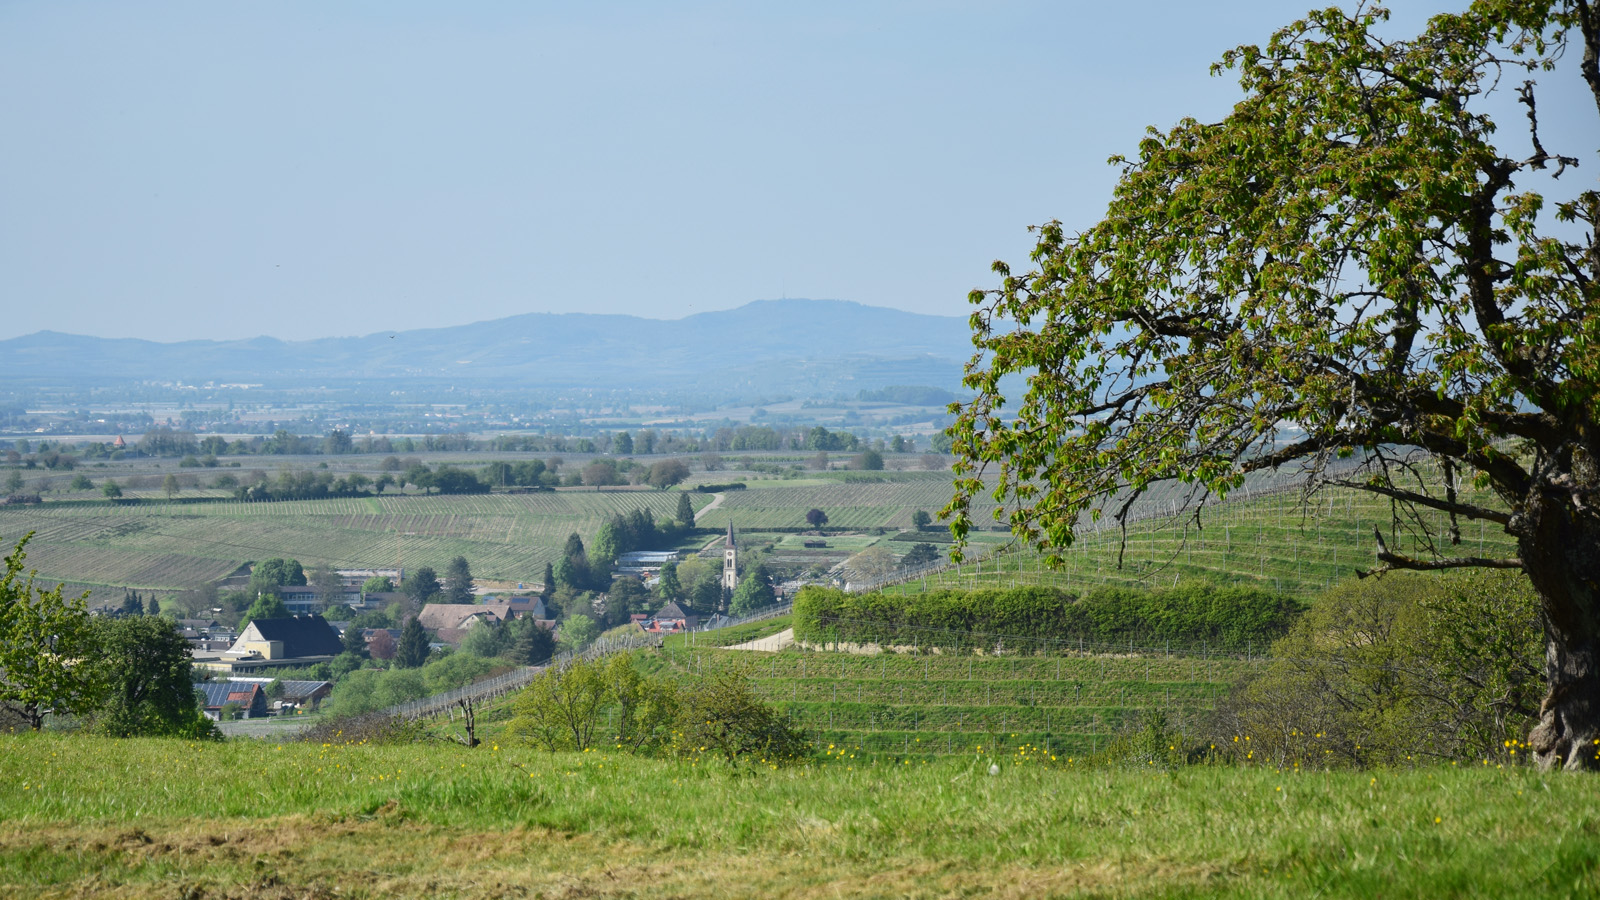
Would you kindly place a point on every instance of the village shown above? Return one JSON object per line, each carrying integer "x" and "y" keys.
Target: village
{"x": 240, "y": 669}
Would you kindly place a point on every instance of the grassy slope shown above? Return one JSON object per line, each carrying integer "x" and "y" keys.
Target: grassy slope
{"x": 150, "y": 818}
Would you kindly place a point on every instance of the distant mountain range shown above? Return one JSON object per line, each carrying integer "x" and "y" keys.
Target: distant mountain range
{"x": 793, "y": 346}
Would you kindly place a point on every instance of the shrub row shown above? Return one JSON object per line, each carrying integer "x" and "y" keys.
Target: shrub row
{"x": 1041, "y": 618}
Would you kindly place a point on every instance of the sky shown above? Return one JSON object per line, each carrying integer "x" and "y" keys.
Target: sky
{"x": 173, "y": 171}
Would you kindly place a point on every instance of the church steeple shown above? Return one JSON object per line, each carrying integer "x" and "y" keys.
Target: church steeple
{"x": 730, "y": 561}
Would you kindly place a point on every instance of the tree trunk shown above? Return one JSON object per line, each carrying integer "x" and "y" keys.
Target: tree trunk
{"x": 1560, "y": 545}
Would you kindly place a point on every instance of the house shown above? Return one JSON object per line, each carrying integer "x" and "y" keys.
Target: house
{"x": 672, "y": 618}
{"x": 354, "y": 579}
{"x": 644, "y": 565}
{"x": 517, "y": 607}
{"x": 276, "y": 643}
{"x": 250, "y": 698}
{"x": 302, "y": 598}
{"x": 296, "y": 694}
{"x": 455, "y": 616}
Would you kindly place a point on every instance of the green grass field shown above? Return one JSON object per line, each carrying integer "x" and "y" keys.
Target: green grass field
{"x": 90, "y": 817}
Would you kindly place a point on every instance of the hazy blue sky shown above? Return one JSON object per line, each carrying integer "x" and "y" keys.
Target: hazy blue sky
{"x": 228, "y": 169}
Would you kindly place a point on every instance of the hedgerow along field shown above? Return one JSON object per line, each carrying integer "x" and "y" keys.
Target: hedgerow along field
{"x": 138, "y": 818}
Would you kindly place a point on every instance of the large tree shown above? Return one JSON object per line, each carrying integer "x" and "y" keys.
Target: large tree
{"x": 422, "y": 585}
{"x": 1353, "y": 266}
{"x": 146, "y": 669}
{"x": 47, "y": 647}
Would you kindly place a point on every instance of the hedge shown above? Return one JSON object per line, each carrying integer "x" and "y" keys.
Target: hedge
{"x": 1186, "y": 617}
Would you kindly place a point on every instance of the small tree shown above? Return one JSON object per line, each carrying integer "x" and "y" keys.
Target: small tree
{"x": 560, "y": 710}
{"x": 377, "y": 584}
{"x": 667, "y": 472}
{"x": 754, "y": 592}
{"x": 412, "y": 650}
{"x": 685, "y": 513}
{"x": 383, "y": 645}
{"x": 352, "y": 641}
{"x": 668, "y": 587}
{"x": 458, "y": 581}
{"x": 266, "y": 606}
{"x": 111, "y": 490}
{"x": 920, "y": 519}
{"x": 868, "y": 460}
{"x": 170, "y": 486}
{"x": 816, "y": 518}
{"x": 578, "y": 631}
{"x": 724, "y": 715}
{"x": 531, "y": 643}
{"x": 46, "y": 647}
{"x": 422, "y": 585}
{"x": 920, "y": 555}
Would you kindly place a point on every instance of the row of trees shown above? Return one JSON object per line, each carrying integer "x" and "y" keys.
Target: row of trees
{"x": 166, "y": 441}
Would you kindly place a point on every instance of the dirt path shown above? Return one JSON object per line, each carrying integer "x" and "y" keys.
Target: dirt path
{"x": 772, "y": 643}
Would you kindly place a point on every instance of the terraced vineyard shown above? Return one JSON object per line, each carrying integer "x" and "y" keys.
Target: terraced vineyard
{"x": 177, "y": 545}
{"x": 1271, "y": 540}
{"x": 905, "y": 705}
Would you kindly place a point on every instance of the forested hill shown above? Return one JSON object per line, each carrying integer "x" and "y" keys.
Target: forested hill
{"x": 795, "y": 344}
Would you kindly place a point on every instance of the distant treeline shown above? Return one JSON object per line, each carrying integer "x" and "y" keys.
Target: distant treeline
{"x": 1035, "y": 618}
{"x": 164, "y": 441}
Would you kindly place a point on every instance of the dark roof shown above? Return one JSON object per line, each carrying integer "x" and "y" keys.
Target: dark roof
{"x": 219, "y": 692}
{"x": 730, "y": 534}
{"x": 301, "y": 635}
{"x": 292, "y": 690}
{"x": 673, "y": 611}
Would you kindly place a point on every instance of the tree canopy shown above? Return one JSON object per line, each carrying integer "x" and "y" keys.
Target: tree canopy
{"x": 47, "y": 647}
{"x": 458, "y": 581}
{"x": 1353, "y": 272}
{"x": 147, "y": 679}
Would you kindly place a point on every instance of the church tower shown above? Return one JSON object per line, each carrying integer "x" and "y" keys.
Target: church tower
{"x": 730, "y": 562}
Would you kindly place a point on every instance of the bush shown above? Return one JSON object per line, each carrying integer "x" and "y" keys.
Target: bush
{"x": 1401, "y": 669}
{"x": 723, "y": 715}
{"x": 1194, "y": 615}
{"x": 371, "y": 728}
{"x": 590, "y": 703}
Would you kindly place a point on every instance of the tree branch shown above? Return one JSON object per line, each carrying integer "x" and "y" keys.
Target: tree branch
{"x": 1392, "y": 561}
{"x": 1457, "y": 508}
